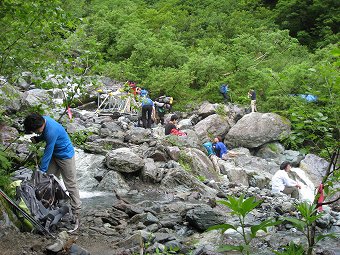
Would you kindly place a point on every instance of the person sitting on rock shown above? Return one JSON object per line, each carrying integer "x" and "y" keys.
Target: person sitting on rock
{"x": 172, "y": 129}
{"x": 219, "y": 147}
{"x": 282, "y": 183}
{"x": 171, "y": 125}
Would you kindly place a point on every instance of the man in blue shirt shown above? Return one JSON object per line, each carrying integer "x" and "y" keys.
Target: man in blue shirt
{"x": 219, "y": 147}
{"x": 58, "y": 155}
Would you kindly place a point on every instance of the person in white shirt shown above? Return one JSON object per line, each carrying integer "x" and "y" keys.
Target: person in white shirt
{"x": 282, "y": 183}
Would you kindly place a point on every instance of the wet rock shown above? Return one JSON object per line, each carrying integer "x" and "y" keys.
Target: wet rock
{"x": 77, "y": 250}
{"x": 145, "y": 218}
{"x": 113, "y": 180}
{"x": 124, "y": 160}
{"x": 203, "y": 217}
{"x": 315, "y": 167}
{"x": 256, "y": 129}
{"x": 129, "y": 209}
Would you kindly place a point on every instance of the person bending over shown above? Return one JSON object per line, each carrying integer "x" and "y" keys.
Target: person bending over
{"x": 58, "y": 155}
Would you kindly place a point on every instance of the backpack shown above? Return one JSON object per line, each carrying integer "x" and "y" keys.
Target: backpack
{"x": 224, "y": 88}
{"x": 165, "y": 99}
{"x": 209, "y": 148}
{"x": 44, "y": 198}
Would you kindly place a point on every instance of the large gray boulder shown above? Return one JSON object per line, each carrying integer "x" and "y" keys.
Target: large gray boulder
{"x": 138, "y": 135}
{"x": 189, "y": 141}
{"x": 36, "y": 97}
{"x": 150, "y": 172}
{"x": 179, "y": 179}
{"x": 173, "y": 152}
{"x": 256, "y": 129}
{"x": 212, "y": 125}
{"x": 248, "y": 170}
{"x": 315, "y": 167}
{"x": 200, "y": 164}
{"x": 207, "y": 109}
{"x": 185, "y": 123}
{"x": 124, "y": 160}
{"x": 10, "y": 97}
{"x": 88, "y": 165}
{"x": 113, "y": 180}
{"x": 270, "y": 150}
{"x": 202, "y": 217}
{"x": 8, "y": 134}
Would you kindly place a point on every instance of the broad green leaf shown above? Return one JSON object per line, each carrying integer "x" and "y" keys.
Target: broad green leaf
{"x": 299, "y": 224}
{"x": 223, "y": 248}
{"x": 321, "y": 237}
{"x": 223, "y": 227}
{"x": 263, "y": 226}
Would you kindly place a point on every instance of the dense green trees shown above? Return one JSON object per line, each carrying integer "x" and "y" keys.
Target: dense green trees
{"x": 186, "y": 48}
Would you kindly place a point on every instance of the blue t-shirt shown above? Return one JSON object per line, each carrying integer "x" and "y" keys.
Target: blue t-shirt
{"x": 58, "y": 143}
{"x": 220, "y": 149}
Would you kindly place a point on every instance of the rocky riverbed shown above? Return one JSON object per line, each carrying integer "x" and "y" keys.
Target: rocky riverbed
{"x": 144, "y": 192}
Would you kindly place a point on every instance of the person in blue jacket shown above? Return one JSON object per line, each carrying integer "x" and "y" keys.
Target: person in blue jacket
{"x": 58, "y": 155}
{"x": 219, "y": 147}
{"x": 224, "y": 89}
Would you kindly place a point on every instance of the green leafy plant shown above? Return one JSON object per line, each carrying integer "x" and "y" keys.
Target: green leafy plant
{"x": 79, "y": 138}
{"x": 241, "y": 207}
{"x": 291, "y": 249}
{"x": 305, "y": 224}
{"x": 5, "y": 166}
{"x": 220, "y": 110}
{"x": 201, "y": 178}
{"x": 185, "y": 161}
